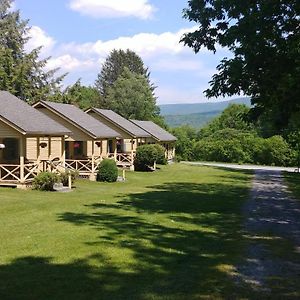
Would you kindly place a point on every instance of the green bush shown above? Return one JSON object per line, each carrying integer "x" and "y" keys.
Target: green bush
{"x": 107, "y": 171}
{"x": 146, "y": 156}
{"x": 45, "y": 181}
{"x": 64, "y": 177}
{"x": 275, "y": 151}
{"x": 160, "y": 156}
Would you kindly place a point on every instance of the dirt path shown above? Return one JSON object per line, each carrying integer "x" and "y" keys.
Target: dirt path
{"x": 271, "y": 266}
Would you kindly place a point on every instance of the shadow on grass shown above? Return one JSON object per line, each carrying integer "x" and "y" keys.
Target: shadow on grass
{"x": 183, "y": 240}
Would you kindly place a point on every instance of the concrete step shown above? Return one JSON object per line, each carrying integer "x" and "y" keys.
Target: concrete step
{"x": 58, "y": 187}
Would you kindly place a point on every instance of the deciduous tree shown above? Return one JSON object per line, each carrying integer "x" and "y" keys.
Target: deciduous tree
{"x": 264, "y": 38}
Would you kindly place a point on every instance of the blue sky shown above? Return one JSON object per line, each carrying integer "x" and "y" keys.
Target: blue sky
{"x": 79, "y": 34}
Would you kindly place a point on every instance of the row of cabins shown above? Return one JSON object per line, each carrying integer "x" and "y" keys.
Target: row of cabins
{"x": 58, "y": 137}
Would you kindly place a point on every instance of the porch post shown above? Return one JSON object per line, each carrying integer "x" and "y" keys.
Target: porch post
{"x": 63, "y": 151}
{"x": 132, "y": 160}
{"x": 38, "y": 154}
{"x": 173, "y": 151}
{"x": 101, "y": 150}
{"x": 22, "y": 160}
{"x": 49, "y": 147}
{"x": 93, "y": 174}
{"x": 115, "y": 149}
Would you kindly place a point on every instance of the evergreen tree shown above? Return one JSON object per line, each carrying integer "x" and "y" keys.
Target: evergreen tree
{"x": 22, "y": 73}
{"x": 114, "y": 66}
{"x": 132, "y": 97}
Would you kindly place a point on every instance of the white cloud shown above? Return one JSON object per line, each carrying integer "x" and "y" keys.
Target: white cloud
{"x": 113, "y": 8}
{"x": 168, "y": 60}
{"x": 38, "y": 37}
{"x": 145, "y": 44}
{"x": 68, "y": 63}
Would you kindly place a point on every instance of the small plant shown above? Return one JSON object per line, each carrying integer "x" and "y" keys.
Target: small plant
{"x": 45, "y": 181}
{"x": 64, "y": 177}
{"x": 107, "y": 171}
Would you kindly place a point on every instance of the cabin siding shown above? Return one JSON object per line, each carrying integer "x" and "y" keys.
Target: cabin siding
{"x": 7, "y": 131}
{"x": 32, "y": 148}
{"x": 76, "y": 133}
{"x": 100, "y": 150}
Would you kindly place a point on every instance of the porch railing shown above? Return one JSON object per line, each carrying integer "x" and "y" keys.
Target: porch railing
{"x": 12, "y": 173}
{"x": 80, "y": 165}
{"x": 122, "y": 158}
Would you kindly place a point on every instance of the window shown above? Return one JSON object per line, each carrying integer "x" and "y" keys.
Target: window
{"x": 11, "y": 150}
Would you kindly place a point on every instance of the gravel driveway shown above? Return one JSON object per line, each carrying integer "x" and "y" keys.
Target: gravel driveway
{"x": 271, "y": 264}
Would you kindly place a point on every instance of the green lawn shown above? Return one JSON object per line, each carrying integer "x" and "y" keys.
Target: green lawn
{"x": 293, "y": 181}
{"x": 170, "y": 234}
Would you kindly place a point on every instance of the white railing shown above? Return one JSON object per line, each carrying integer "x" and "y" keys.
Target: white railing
{"x": 80, "y": 165}
{"x": 12, "y": 173}
{"x": 122, "y": 158}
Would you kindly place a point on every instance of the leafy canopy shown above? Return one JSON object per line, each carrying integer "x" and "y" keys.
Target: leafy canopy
{"x": 264, "y": 38}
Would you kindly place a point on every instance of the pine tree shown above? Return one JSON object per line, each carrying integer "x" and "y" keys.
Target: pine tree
{"x": 22, "y": 73}
{"x": 114, "y": 66}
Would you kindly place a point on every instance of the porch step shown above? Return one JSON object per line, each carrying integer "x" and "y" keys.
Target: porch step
{"x": 58, "y": 187}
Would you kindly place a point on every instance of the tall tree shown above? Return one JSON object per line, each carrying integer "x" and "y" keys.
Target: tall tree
{"x": 22, "y": 73}
{"x": 79, "y": 95}
{"x": 264, "y": 38}
{"x": 132, "y": 97}
{"x": 114, "y": 65}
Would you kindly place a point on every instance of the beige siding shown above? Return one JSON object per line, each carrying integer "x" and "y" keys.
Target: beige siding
{"x": 77, "y": 134}
{"x": 31, "y": 151}
{"x": 32, "y": 148}
{"x": 99, "y": 150}
{"x": 127, "y": 145}
{"x": 56, "y": 147}
{"x": 7, "y": 131}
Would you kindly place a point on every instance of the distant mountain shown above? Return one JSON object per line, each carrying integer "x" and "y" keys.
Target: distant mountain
{"x": 194, "y": 120}
{"x": 192, "y": 108}
{"x": 196, "y": 114}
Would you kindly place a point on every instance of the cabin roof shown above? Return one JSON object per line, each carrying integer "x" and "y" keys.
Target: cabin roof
{"x": 121, "y": 122}
{"x": 80, "y": 119}
{"x": 156, "y": 131}
{"x": 27, "y": 120}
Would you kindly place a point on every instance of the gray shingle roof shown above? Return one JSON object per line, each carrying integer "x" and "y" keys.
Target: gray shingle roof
{"x": 27, "y": 119}
{"x": 75, "y": 115}
{"x": 156, "y": 131}
{"x": 121, "y": 122}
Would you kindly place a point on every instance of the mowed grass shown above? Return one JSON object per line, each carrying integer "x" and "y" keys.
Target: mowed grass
{"x": 293, "y": 181}
{"x": 171, "y": 234}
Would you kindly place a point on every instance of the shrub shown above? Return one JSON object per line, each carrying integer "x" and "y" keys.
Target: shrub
{"x": 107, "y": 171}
{"x": 45, "y": 181}
{"x": 160, "y": 156}
{"x": 275, "y": 151}
{"x": 64, "y": 177}
{"x": 145, "y": 157}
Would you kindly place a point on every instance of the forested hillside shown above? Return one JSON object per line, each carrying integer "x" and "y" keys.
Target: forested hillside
{"x": 196, "y": 115}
